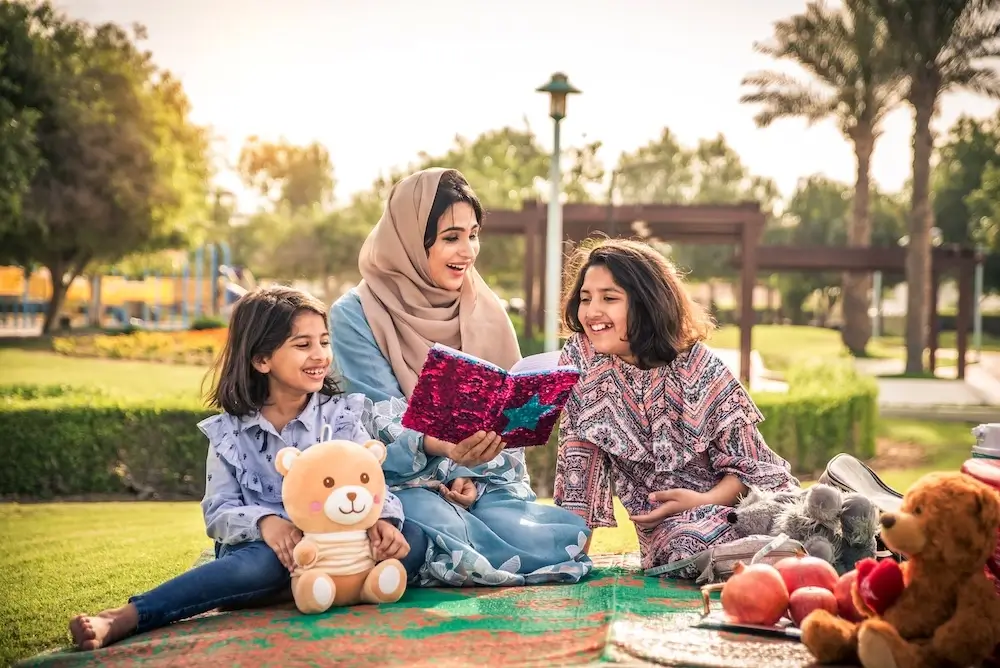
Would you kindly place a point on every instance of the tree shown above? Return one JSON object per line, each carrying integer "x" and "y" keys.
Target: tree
{"x": 984, "y": 206}
{"x": 941, "y": 45}
{"x": 298, "y": 177}
{"x": 853, "y": 78}
{"x": 665, "y": 172}
{"x": 818, "y": 215}
{"x": 964, "y": 186}
{"x": 18, "y": 153}
{"x": 121, "y": 168}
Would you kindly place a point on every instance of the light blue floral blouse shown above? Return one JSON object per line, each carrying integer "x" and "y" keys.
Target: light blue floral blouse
{"x": 242, "y": 486}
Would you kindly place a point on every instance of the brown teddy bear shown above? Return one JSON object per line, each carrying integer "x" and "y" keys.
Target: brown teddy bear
{"x": 333, "y": 492}
{"x": 948, "y": 614}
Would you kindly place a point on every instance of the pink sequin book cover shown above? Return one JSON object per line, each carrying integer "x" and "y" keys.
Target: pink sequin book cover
{"x": 458, "y": 394}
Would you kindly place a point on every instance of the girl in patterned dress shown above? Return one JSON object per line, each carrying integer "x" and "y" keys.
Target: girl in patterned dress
{"x": 657, "y": 416}
{"x": 274, "y": 389}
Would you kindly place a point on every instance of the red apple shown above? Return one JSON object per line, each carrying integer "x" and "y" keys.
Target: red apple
{"x": 755, "y": 594}
{"x": 806, "y": 599}
{"x": 845, "y": 602}
{"x": 807, "y": 572}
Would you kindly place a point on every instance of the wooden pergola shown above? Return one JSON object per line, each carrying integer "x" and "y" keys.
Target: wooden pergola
{"x": 740, "y": 224}
{"x": 944, "y": 259}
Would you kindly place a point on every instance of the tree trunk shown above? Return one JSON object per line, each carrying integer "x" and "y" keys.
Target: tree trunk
{"x": 857, "y": 325}
{"x": 94, "y": 312}
{"x": 918, "y": 252}
{"x": 60, "y": 286}
{"x": 59, "y": 289}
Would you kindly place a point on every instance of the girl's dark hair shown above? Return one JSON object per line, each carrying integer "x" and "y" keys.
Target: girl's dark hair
{"x": 261, "y": 322}
{"x": 663, "y": 320}
{"x": 452, "y": 189}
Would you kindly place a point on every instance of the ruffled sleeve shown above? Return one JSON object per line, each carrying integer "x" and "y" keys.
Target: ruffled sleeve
{"x": 740, "y": 450}
{"x": 583, "y": 471}
{"x": 715, "y": 415}
{"x": 228, "y": 518}
{"x": 696, "y": 400}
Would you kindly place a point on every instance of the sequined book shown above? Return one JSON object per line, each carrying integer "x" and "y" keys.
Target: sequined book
{"x": 458, "y": 394}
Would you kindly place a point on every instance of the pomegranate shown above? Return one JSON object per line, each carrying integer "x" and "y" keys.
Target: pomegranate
{"x": 806, "y": 599}
{"x": 755, "y": 594}
{"x": 845, "y": 603}
{"x": 807, "y": 572}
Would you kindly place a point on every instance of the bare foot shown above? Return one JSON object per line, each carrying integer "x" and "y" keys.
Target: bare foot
{"x": 104, "y": 628}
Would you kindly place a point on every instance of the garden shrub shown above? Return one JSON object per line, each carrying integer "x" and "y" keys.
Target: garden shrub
{"x": 207, "y": 322}
{"x": 76, "y": 443}
{"x": 182, "y": 347}
{"x": 63, "y": 441}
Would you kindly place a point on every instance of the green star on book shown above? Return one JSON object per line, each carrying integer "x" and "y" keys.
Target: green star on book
{"x": 527, "y": 415}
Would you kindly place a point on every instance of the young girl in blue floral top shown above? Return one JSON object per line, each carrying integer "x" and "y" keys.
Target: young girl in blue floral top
{"x": 274, "y": 387}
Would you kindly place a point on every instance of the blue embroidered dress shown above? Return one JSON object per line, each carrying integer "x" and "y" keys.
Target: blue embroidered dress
{"x": 242, "y": 486}
{"x": 505, "y": 538}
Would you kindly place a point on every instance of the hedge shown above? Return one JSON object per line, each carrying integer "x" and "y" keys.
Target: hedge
{"x": 66, "y": 441}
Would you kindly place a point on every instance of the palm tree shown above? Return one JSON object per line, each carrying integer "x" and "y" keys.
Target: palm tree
{"x": 855, "y": 79}
{"x": 941, "y": 45}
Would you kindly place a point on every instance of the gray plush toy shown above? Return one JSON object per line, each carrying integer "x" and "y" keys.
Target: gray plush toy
{"x": 836, "y": 527}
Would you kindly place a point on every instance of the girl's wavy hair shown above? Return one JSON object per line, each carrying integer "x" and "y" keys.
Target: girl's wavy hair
{"x": 261, "y": 322}
{"x": 663, "y": 320}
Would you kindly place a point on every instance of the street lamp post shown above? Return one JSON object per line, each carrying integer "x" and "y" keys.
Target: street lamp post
{"x": 557, "y": 88}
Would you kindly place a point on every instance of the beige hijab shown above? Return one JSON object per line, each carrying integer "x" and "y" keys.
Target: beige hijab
{"x": 406, "y": 311}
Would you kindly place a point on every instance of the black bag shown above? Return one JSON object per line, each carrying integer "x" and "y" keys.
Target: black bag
{"x": 849, "y": 474}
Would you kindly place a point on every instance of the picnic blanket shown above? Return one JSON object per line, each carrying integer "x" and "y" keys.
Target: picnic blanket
{"x": 614, "y": 616}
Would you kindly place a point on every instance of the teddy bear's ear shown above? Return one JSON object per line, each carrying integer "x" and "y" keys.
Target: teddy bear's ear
{"x": 377, "y": 448}
{"x": 286, "y": 457}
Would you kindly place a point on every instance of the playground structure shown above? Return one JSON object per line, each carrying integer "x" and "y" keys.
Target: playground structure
{"x": 205, "y": 284}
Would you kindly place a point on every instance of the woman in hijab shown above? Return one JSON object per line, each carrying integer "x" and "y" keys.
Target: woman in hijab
{"x": 472, "y": 500}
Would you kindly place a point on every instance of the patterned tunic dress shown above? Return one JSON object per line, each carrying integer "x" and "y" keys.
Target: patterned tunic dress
{"x": 629, "y": 432}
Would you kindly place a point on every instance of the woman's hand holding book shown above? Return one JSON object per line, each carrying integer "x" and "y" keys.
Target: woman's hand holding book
{"x": 477, "y": 449}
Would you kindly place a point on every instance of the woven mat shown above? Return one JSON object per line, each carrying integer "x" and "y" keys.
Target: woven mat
{"x": 615, "y": 616}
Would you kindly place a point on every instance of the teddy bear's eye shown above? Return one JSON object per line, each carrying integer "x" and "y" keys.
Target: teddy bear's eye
{"x": 364, "y": 478}
{"x": 328, "y": 481}
{"x": 917, "y": 510}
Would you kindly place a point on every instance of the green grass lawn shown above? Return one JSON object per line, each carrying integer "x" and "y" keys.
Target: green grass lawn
{"x": 946, "y": 340}
{"x": 782, "y": 346}
{"x": 945, "y": 446}
{"x": 120, "y": 377}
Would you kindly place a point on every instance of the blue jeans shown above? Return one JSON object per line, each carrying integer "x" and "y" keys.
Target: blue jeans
{"x": 241, "y": 575}
{"x": 418, "y": 542}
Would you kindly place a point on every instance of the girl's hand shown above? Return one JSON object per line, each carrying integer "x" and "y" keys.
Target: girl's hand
{"x": 282, "y": 537}
{"x": 674, "y": 501}
{"x": 477, "y": 449}
{"x": 387, "y": 541}
{"x": 461, "y": 491}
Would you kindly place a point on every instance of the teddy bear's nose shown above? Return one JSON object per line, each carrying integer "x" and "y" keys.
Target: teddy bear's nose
{"x": 887, "y": 520}
{"x": 351, "y": 496}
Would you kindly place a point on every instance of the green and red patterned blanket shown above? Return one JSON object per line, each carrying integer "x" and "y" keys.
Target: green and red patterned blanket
{"x": 615, "y": 616}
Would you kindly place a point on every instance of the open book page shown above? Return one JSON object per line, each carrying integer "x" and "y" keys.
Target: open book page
{"x": 540, "y": 362}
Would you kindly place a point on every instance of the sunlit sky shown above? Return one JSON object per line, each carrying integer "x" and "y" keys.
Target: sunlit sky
{"x": 377, "y": 81}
